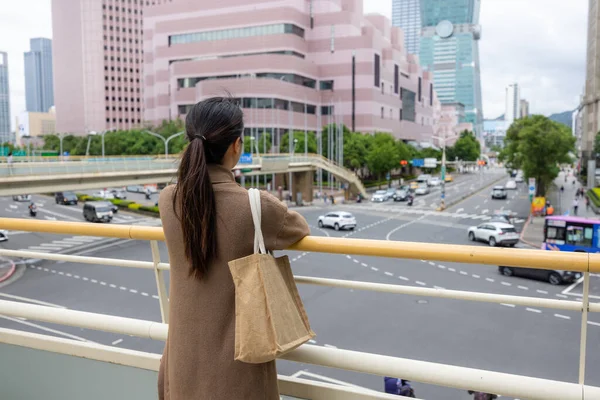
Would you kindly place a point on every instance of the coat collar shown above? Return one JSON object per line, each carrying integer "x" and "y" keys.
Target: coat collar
{"x": 220, "y": 174}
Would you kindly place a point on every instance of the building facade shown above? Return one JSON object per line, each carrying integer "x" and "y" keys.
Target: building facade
{"x": 452, "y": 123}
{"x": 406, "y": 14}
{"x": 449, "y": 49}
{"x": 494, "y": 133}
{"x": 34, "y": 125}
{"x": 590, "y": 103}
{"x": 98, "y": 59}
{"x": 512, "y": 104}
{"x": 39, "y": 87}
{"x": 524, "y": 109}
{"x": 5, "y": 133}
{"x": 292, "y": 65}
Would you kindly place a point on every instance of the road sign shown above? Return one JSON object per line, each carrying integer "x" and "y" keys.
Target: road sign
{"x": 387, "y": 177}
{"x": 246, "y": 170}
{"x": 246, "y": 158}
{"x": 531, "y": 186}
{"x": 430, "y": 163}
{"x": 418, "y": 162}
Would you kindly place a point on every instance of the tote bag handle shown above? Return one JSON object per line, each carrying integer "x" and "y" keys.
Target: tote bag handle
{"x": 259, "y": 241}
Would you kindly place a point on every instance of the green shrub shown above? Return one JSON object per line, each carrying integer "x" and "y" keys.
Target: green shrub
{"x": 153, "y": 209}
{"x": 134, "y": 206}
{"x": 594, "y": 196}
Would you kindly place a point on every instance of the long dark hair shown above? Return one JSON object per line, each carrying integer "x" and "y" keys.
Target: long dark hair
{"x": 211, "y": 126}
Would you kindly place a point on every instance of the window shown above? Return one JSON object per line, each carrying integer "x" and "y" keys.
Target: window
{"x": 233, "y": 33}
{"x": 579, "y": 235}
{"x": 326, "y": 85}
{"x": 431, "y": 94}
{"x": 419, "y": 89}
{"x": 376, "y": 70}
{"x": 391, "y": 113}
{"x": 327, "y": 110}
{"x": 382, "y": 86}
{"x": 396, "y": 78}
{"x": 381, "y": 112}
{"x": 408, "y": 104}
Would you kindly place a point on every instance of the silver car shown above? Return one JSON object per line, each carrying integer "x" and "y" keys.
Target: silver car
{"x": 422, "y": 189}
{"x": 380, "y": 196}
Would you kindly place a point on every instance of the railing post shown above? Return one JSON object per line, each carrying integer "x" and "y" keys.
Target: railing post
{"x": 160, "y": 283}
{"x": 584, "y": 324}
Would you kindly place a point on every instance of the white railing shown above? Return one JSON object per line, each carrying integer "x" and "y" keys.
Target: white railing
{"x": 419, "y": 371}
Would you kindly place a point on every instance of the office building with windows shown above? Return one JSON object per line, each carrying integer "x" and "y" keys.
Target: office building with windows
{"x": 98, "y": 57}
{"x": 524, "y": 109}
{"x": 449, "y": 49}
{"x": 512, "y": 109}
{"x": 5, "y": 133}
{"x": 406, "y": 14}
{"x": 293, "y": 65}
{"x": 39, "y": 87}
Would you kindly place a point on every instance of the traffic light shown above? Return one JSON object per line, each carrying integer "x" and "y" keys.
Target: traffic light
{"x": 403, "y": 162}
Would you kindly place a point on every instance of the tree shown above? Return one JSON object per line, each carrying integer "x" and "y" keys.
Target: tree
{"x": 299, "y": 147}
{"x": 383, "y": 156}
{"x": 466, "y": 148}
{"x": 356, "y": 146}
{"x": 537, "y": 145}
{"x": 597, "y": 144}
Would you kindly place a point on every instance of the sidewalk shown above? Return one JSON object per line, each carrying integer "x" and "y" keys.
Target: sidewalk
{"x": 533, "y": 231}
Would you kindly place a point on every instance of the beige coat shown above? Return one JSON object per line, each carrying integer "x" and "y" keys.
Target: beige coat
{"x": 197, "y": 362}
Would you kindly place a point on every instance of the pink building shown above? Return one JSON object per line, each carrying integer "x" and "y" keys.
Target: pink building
{"x": 97, "y": 59}
{"x": 449, "y": 125}
{"x": 289, "y": 62}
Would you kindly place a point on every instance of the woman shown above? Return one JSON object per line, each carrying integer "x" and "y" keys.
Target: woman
{"x": 207, "y": 223}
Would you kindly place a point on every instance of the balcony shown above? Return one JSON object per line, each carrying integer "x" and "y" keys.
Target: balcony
{"x": 42, "y": 366}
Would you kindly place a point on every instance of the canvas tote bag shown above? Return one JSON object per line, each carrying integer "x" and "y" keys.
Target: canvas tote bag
{"x": 270, "y": 319}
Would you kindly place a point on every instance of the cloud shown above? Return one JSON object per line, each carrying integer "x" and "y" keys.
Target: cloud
{"x": 541, "y": 44}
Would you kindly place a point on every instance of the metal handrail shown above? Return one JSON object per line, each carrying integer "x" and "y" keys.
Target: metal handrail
{"x": 583, "y": 262}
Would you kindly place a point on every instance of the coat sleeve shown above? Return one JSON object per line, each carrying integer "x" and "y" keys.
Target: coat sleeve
{"x": 281, "y": 227}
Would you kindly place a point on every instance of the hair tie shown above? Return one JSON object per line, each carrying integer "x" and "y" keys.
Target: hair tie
{"x": 203, "y": 137}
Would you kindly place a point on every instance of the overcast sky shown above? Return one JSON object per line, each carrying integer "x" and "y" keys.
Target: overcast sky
{"x": 538, "y": 43}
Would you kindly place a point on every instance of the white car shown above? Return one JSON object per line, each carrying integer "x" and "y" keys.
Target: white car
{"x": 380, "y": 196}
{"x": 511, "y": 185}
{"x": 104, "y": 194}
{"x": 435, "y": 181}
{"x": 338, "y": 220}
{"x": 495, "y": 233}
{"x": 422, "y": 189}
{"x": 519, "y": 179}
{"x": 3, "y": 235}
{"x": 22, "y": 197}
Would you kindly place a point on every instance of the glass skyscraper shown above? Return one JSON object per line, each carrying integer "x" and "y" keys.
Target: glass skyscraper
{"x": 5, "y": 135}
{"x": 39, "y": 87}
{"x": 406, "y": 14}
{"x": 449, "y": 48}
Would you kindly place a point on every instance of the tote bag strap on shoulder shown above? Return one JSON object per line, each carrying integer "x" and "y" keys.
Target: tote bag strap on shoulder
{"x": 259, "y": 241}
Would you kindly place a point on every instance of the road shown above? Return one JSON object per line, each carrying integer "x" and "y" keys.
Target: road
{"x": 535, "y": 342}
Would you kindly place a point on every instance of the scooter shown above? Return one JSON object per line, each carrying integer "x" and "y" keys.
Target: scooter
{"x": 147, "y": 196}
{"x": 33, "y": 211}
{"x": 410, "y": 200}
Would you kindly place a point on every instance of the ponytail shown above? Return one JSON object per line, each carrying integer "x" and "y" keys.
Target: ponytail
{"x": 211, "y": 126}
{"x": 198, "y": 211}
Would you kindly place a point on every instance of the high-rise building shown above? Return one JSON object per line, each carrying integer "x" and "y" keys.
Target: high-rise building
{"x": 524, "y": 109}
{"x": 39, "y": 88}
{"x": 288, "y": 65}
{"x": 406, "y": 14}
{"x": 513, "y": 103}
{"x": 98, "y": 58}
{"x": 5, "y": 134}
{"x": 450, "y": 50}
{"x": 590, "y": 104}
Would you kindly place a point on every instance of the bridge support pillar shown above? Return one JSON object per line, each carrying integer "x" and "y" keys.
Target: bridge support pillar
{"x": 303, "y": 183}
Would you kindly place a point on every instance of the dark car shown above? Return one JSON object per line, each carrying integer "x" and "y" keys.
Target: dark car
{"x": 499, "y": 192}
{"x": 65, "y": 198}
{"x": 554, "y": 276}
{"x": 400, "y": 195}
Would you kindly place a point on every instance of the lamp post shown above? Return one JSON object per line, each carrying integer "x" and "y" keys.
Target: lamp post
{"x": 94, "y": 133}
{"x": 165, "y": 141}
{"x": 443, "y": 189}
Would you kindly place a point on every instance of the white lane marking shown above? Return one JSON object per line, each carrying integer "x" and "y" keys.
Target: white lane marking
{"x": 390, "y": 233}
{"x": 523, "y": 287}
{"x": 476, "y": 207}
{"x": 122, "y": 288}
{"x": 561, "y": 296}
{"x": 463, "y": 273}
{"x": 403, "y": 278}
{"x": 69, "y": 275}
{"x": 312, "y": 341}
{"x": 441, "y": 266}
{"x": 64, "y": 243}
{"x": 144, "y": 294}
{"x": 460, "y": 210}
{"x": 432, "y": 263}
{"x": 76, "y": 276}
{"x": 490, "y": 280}
{"x": 117, "y": 342}
{"x": 542, "y": 291}
{"x": 364, "y": 265}
{"x": 85, "y": 279}
{"x": 133, "y": 290}
{"x": 562, "y": 316}
{"x": 59, "y": 215}
{"x": 375, "y": 269}
{"x": 43, "y": 328}
{"x": 451, "y": 270}
{"x": 13, "y": 206}
{"x": 485, "y": 201}
{"x": 330, "y": 346}
{"x": 113, "y": 286}
{"x": 485, "y": 211}
{"x": 61, "y": 273}
{"x": 508, "y": 305}
{"x": 438, "y": 287}
{"x": 420, "y": 283}
{"x": 50, "y": 218}
{"x": 475, "y": 276}
{"x": 535, "y": 310}
{"x": 593, "y": 323}
{"x": 50, "y": 246}
{"x": 82, "y": 239}
{"x": 103, "y": 283}
{"x": 356, "y": 261}
{"x": 388, "y": 273}
{"x": 29, "y": 300}
{"x": 348, "y": 257}
{"x": 155, "y": 296}
{"x": 506, "y": 283}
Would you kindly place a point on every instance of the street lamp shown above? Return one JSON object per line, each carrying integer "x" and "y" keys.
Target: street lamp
{"x": 443, "y": 190}
{"x": 165, "y": 141}
{"x": 94, "y": 133}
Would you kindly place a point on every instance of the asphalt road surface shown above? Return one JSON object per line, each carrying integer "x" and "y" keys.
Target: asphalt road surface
{"x": 528, "y": 341}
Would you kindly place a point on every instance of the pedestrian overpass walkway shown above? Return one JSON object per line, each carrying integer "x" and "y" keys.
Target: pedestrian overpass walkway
{"x": 78, "y": 173}
{"x": 39, "y": 366}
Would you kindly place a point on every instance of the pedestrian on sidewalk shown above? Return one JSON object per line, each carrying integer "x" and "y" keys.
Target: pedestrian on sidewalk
{"x": 575, "y": 205}
{"x": 587, "y": 203}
